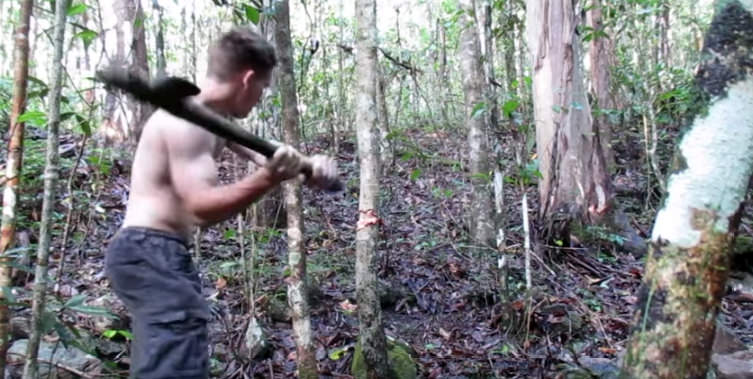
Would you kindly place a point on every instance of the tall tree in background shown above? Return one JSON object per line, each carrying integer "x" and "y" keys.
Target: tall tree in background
{"x": 476, "y": 105}
{"x": 574, "y": 183}
{"x": 297, "y": 282}
{"x": 159, "y": 39}
{"x": 13, "y": 169}
{"x": 140, "y": 65}
{"x": 48, "y": 199}
{"x": 687, "y": 268}
{"x": 601, "y": 55}
{"x": 371, "y": 331}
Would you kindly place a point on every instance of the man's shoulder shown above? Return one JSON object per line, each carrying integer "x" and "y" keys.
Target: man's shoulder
{"x": 178, "y": 133}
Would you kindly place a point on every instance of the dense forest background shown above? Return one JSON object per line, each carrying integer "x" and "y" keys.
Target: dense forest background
{"x": 505, "y": 163}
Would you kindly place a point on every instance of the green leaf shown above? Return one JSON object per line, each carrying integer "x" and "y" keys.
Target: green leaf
{"x": 94, "y": 311}
{"x": 478, "y": 110}
{"x": 109, "y": 333}
{"x": 510, "y": 106}
{"x": 230, "y": 234}
{"x": 337, "y": 353}
{"x": 75, "y": 301}
{"x": 77, "y": 9}
{"x": 86, "y": 36}
{"x": 36, "y": 118}
{"x": 252, "y": 13}
{"x": 128, "y": 335}
{"x": 47, "y": 321}
{"x": 65, "y": 335}
{"x": 415, "y": 174}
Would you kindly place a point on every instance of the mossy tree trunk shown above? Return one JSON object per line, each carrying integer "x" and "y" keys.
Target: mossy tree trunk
{"x": 297, "y": 284}
{"x": 371, "y": 331}
{"x": 687, "y": 267}
{"x": 51, "y": 173}
{"x": 13, "y": 169}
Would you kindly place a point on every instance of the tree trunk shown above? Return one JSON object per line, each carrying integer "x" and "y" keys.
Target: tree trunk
{"x": 159, "y": 40}
{"x": 140, "y": 65}
{"x": 487, "y": 52}
{"x": 601, "y": 62}
{"x": 373, "y": 341}
{"x": 386, "y": 152}
{"x": 574, "y": 183}
{"x": 297, "y": 284}
{"x": 48, "y": 202}
{"x": 476, "y": 108}
{"x": 686, "y": 270}
{"x": 13, "y": 170}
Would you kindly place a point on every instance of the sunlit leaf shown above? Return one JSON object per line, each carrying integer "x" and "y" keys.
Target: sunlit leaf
{"x": 252, "y": 13}
{"x": 86, "y": 36}
{"x": 36, "y": 118}
{"x": 77, "y": 9}
{"x": 510, "y": 106}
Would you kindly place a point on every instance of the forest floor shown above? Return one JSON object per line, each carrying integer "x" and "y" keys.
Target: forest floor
{"x": 442, "y": 297}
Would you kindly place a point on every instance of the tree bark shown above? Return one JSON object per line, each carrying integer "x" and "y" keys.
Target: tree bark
{"x": 371, "y": 331}
{"x": 13, "y": 170}
{"x": 476, "y": 110}
{"x": 688, "y": 264}
{"x": 50, "y": 181}
{"x": 601, "y": 54}
{"x": 159, "y": 40}
{"x": 297, "y": 283}
{"x": 140, "y": 65}
{"x": 574, "y": 183}
{"x": 485, "y": 20}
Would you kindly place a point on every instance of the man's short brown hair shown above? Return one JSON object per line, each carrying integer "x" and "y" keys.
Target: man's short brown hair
{"x": 238, "y": 49}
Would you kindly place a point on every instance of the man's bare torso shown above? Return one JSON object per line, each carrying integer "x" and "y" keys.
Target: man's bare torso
{"x": 154, "y": 201}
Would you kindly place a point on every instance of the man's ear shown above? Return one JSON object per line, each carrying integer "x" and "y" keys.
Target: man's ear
{"x": 248, "y": 76}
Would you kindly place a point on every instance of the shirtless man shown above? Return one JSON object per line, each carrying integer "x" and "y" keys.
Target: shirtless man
{"x": 173, "y": 189}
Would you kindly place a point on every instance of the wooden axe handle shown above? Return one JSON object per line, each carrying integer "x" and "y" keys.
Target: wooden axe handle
{"x": 174, "y": 95}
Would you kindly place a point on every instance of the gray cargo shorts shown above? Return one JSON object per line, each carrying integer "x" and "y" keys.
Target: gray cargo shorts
{"x": 152, "y": 273}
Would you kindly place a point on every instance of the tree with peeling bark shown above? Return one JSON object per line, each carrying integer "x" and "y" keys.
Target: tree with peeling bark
{"x": 574, "y": 182}
{"x": 371, "y": 331}
{"x": 687, "y": 267}
{"x": 297, "y": 282}
{"x": 602, "y": 58}
{"x": 477, "y": 106}
{"x": 13, "y": 170}
{"x": 51, "y": 173}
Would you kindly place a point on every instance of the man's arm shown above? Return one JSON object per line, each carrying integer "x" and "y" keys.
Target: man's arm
{"x": 247, "y": 153}
{"x": 193, "y": 172}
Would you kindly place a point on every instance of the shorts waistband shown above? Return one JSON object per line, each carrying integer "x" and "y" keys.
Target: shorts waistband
{"x": 155, "y": 233}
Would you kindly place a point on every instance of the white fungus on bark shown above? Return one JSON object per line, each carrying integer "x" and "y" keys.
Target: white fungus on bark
{"x": 718, "y": 151}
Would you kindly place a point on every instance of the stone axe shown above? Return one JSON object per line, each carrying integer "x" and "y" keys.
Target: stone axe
{"x": 174, "y": 94}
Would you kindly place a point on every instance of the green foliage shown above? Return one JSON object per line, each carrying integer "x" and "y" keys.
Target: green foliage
{"x": 77, "y": 9}
{"x": 113, "y": 333}
{"x": 400, "y": 361}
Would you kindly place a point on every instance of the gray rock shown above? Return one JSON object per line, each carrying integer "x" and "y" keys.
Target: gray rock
{"x": 19, "y": 327}
{"x": 737, "y": 365}
{"x": 601, "y": 367}
{"x": 63, "y": 365}
{"x": 725, "y": 341}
